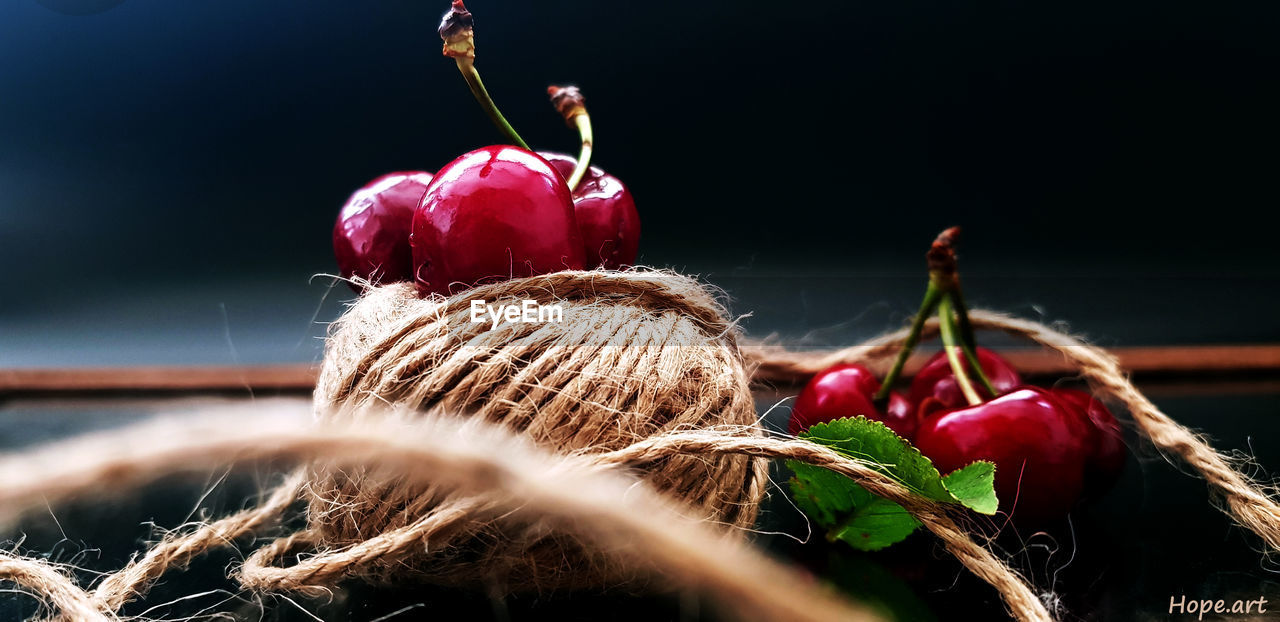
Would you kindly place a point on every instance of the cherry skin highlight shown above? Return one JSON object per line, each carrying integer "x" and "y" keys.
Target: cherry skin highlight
{"x": 936, "y": 379}
{"x": 1109, "y": 451}
{"x": 371, "y": 236}
{"x": 847, "y": 391}
{"x": 606, "y": 213}
{"x": 1041, "y": 448}
{"x": 495, "y": 213}
{"x": 900, "y": 415}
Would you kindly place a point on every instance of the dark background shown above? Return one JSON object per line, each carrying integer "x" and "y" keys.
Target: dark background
{"x": 170, "y": 171}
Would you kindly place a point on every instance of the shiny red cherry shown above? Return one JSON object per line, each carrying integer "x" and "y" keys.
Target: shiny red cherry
{"x": 371, "y": 237}
{"x": 900, "y": 415}
{"x": 847, "y": 391}
{"x": 494, "y": 213}
{"x": 1109, "y": 451}
{"x": 607, "y": 216}
{"x": 1040, "y": 445}
{"x": 936, "y": 379}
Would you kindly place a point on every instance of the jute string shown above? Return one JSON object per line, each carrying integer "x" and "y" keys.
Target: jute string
{"x": 533, "y": 466}
{"x": 599, "y": 502}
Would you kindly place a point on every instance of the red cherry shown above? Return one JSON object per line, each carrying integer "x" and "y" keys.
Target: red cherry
{"x": 847, "y": 391}
{"x": 371, "y": 237}
{"x": 1109, "y": 451}
{"x": 1041, "y": 448}
{"x": 936, "y": 379}
{"x": 606, "y": 213}
{"x": 900, "y": 415}
{"x": 494, "y": 213}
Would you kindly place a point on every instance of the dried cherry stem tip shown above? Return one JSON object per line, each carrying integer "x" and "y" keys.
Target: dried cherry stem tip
{"x": 457, "y": 29}
{"x": 572, "y": 106}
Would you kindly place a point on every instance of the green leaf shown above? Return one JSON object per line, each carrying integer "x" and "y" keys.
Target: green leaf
{"x": 867, "y": 522}
{"x": 874, "y": 524}
{"x": 974, "y": 487}
{"x": 847, "y": 510}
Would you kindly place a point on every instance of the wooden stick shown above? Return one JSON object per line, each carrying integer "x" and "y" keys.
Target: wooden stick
{"x": 289, "y": 378}
{"x": 300, "y": 378}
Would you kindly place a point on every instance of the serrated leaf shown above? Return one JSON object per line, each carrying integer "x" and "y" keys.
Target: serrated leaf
{"x": 875, "y": 524}
{"x": 847, "y": 510}
{"x": 867, "y": 522}
{"x": 974, "y": 486}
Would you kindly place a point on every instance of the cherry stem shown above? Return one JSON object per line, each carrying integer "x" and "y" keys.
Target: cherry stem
{"x": 571, "y": 105}
{"x": 932, "y": 297}
{"x": 962, "y": 313}
{"x": 472, "y": 77}
{"x": 967, "y": 341}
{"x": 951, "y": 345}
{"x": 457, "y": 29}
{"x": 944, "y": 286}
{"x": 944, "y": 270}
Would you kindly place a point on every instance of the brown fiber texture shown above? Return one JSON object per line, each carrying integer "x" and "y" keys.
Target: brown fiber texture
{"x": 631, "y": 358}
{"x": 612, "y": 449}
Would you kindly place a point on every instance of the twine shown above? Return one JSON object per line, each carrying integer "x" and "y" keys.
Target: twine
{"x": 520, "y": 483}
{"x": 512, "y": 470}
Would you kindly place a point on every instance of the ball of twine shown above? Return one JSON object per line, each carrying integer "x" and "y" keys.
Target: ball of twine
{"x": 612, "y": 362}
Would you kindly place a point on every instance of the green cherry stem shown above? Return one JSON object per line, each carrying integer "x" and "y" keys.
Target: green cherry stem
{"x": 932, "y": 297}
{"x": 951, "y": 345}
{"x": 944, "y": 270}
{"x": 944, "y": 289}
{"x": 967, "y": 341}
{"x": 572, "y": 106}
{"x": 962, "y": 316}
{"x": 457, "y": 29}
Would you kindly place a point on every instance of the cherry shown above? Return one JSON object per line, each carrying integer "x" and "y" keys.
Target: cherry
{"x": 900, "y": 415}
{"x": 847, "y": 390}
{"x": 1109, "y": 451}
{"x": 606, "y": 214}
{"x": 936, "y": 379}
{"x": 495, "y": 213}
{"x": 1041, "y": 447}
{"x": 371, "y": 237}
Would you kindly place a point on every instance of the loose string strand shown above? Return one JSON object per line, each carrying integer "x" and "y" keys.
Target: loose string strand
{"x": 52, "y": 586}
{"x": 177, "y": 550}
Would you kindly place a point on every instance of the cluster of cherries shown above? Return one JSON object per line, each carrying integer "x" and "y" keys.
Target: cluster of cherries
{"x": 1051, "y": 447}
{"x": 495, "y": 213}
